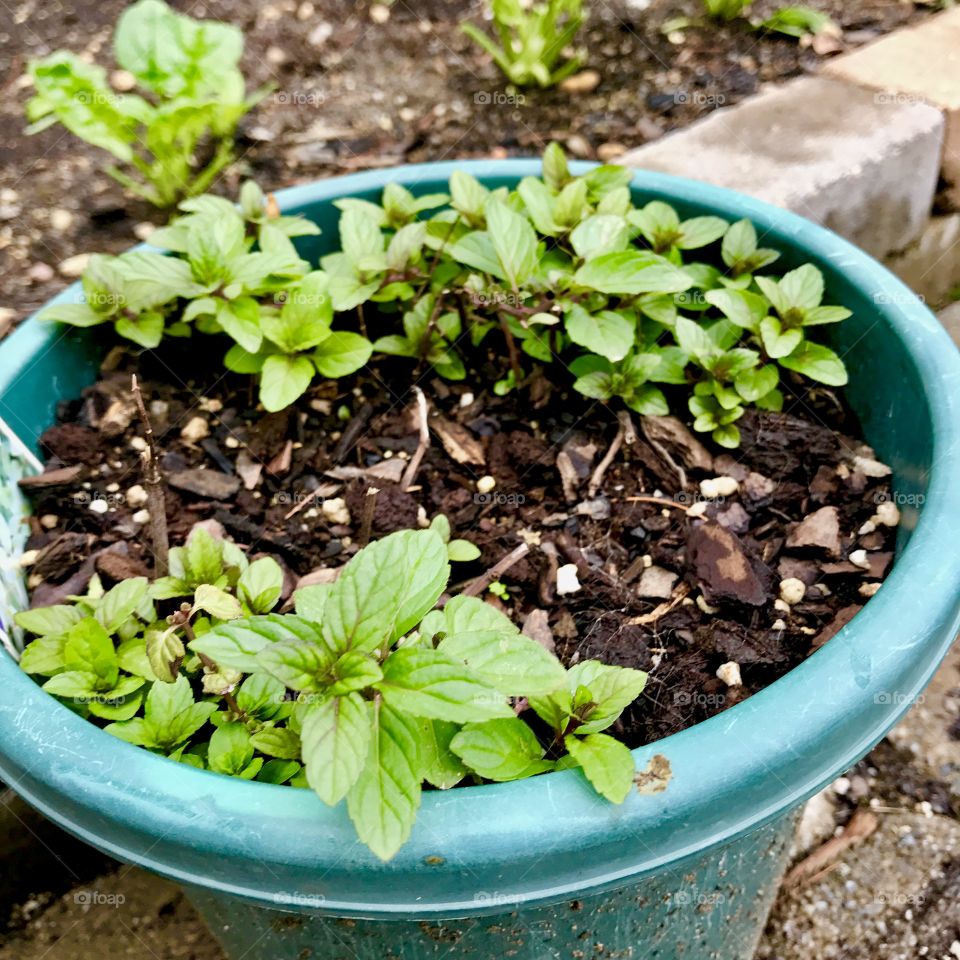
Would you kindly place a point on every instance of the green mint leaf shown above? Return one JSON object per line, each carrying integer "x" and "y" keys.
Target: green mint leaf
{"x": 354, "y": 671}
{"x": 777, "y": 341}
{"x": 164, "y": 652}
{"x": 470, "y": 614}
{"x": 236, "y": 644}
{"x": 818, "y": 363}
{"x": 361, "y": 239}
{"x": 77, "y": 684}
{"x": 467, "y": 195}
{"x": 43, "y": 655}
{"x": 607, "y": 764}
{"x": 310, "y": 602}
{"x": 700, "y": 231}
{"x": 383, "y": 802}
{"x": 280, "y": 742}
{"x": 514, "y": 242}
{"x": 611, "y": 690}
{"x": 608, "y": 333}
{"x": 218, "y": 603}
{"x": 500, "y": 749}
{"x": 284, "y": 379}
{"x": 751, "y": 385}
{"x": 510, "y": 662}
{"x": 298, "y": 664}
{"x": 50, "y": 622}
{"x": 121, "y": 602}
{"x": 434, "y": 684}
{"x": 741, "y": 307}
{"x": 260, "y": 585}
{"x": 341, "y": 354}
{"x": 819, "y": 315}
{"x": 439, "y": 765}
{"x": 335, "y": 738}
{"x": 386, "y": 590}
{"x": 262, "y": 696}
{"x": 632, "y": 272}
{"x": 240, "y": 319}
{"x": 230, "y": 750}
{"x": 278, "y": 771}
{"x": 539, "y": 202}
{"x": 600, "y": 234}
{"x": 462, "y": 551}
{"x": 89, "y": 648}
{"x": 556, "y": 172}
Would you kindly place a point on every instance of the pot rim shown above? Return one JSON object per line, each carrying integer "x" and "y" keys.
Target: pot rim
{"x": 553, "y": 837}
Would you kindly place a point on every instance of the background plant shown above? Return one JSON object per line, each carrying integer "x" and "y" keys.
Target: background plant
{"x": 562, "y": 276}
{"x": 363, "y": 693}
{"x": 190, "y": 99}
{"x": 533, "y": 38}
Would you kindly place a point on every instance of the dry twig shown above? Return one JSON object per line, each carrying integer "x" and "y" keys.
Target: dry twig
{"x": 410, "y": 474}
{"x": 156, "y": 501}
{"x": 496, "y": 571}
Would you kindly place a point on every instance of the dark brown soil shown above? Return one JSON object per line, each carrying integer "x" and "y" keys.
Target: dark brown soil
{"x": 351, "y": 93}
{"x": 660, "y": 590}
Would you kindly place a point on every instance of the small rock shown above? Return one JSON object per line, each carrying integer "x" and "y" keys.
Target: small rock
{"x": 608, "y": 152}
{"x": 868, "y": 526}
{"x": 205, "y": 483}
{"x": 379, "y": 13}
{"x": 136, "y": 496}
{"x": 792, "y": 590}
{"x": 820, "y": 529}
{"x": 887, "y": 513}
{"x": 144, "y": 229}
{"x": 579, "y": 146}
{"x": 869, "y": 589}
{"x": 871, "y": 468}
{"x": 49, "y": 520}
{"x": 276, "y": 55}
{"x": 99, "y": 506}
{"x": 729, "y": 673}
{"x": 706, "y": 607}
{"x": 61, "y": 220}
{"x": 781, "y": 605}
{"x": 757, "y": 487}
{"x": 859, "y": 559}
{"x": 40, "y": 272}
{"x": 656, "y": 583}
{"x": 305, "y": 11}
{"x": 486, "y": 484}
{"x": 698, "y": 509}
{"x": 75, "y": 265}
{"x": 778, "y": 625}
{"x": 196, "y": 429}
{"x": 567, "y": 579}
{"x": 583, "y": 82}
{"x": 123, "y": 81}
{"x": 141, "y": 516}
{"x": 335, "y": 510}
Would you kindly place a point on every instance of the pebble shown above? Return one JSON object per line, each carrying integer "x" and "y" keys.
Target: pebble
{"x": 729, "y": 673}
{"x": 567, "y": 579}
{"x": 41, "y": 272}
{"x": 781, "y": 605}
{"x": 29, "y": 557}
{"x": 144, "y": 229}
{"x": 722, "y": 486}
{"x": 698, "y": 509}
{"x": 583, "y": 82}
{"x": 49, "y": 521}
{"x": 792, "y": 590}
{"x": 99, "y": 506}
{"x": 868, "y": 526}
{"x": 335, "y": 510}
{"x": 869, "y": 589}
{"x": 231, "y": 443}
{"x": 75, "y": 265}
{"x": 608, "y": 152}
{"x": 320, "y": 34}
{"x": 136, "y": 496}
{"x": 276, "y": 55}
{"x": 122, "y": 80}
{"x": 138, "y": 444}
{"x": 466, "y": 399}
{"x": 871, "y": 468}
{"x": 486, "y": 484}
{"x": 379, "y": 13}
{"x": 579, "y": 146}
{"x": 887, "y": 513}
{"x": 196, "y": 429}
{"x": 859, "y": 559}
{"x": 60, "y": 219}
{"x": 141, "y": 516}
{"x": 779, "y": 624}
{"x": 305, "y": 11}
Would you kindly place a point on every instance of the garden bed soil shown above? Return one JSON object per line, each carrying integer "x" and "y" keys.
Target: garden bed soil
{"x": 351, "y": 93}
{"x": 670, "y": 593}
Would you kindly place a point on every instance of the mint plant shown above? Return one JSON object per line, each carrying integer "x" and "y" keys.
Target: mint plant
{"x": 190, "y": 99}
{"x": 563, "y": 275}
{"x": 533, "y": 40}
{"x": 363, "y": 693}
{"x": 727, "y": 9}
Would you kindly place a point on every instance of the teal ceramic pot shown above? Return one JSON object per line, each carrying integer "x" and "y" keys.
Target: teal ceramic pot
{"x": 538, "y": 868}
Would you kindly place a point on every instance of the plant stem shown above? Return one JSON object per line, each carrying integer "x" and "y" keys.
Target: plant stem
{"x": 156, "y": 501}
{"x": 494, "y": 573}
{"x": 366, "y": 521}
{"x": 410, "y": 474}
{"x": 512, "y": 351}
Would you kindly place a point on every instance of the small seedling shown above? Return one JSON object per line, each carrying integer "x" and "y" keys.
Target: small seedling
{"x": 362, "y": 694}
{"x": 727, "y": 9}
{"x": 533, "y": 40}
{"x": 190, "y": 97}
